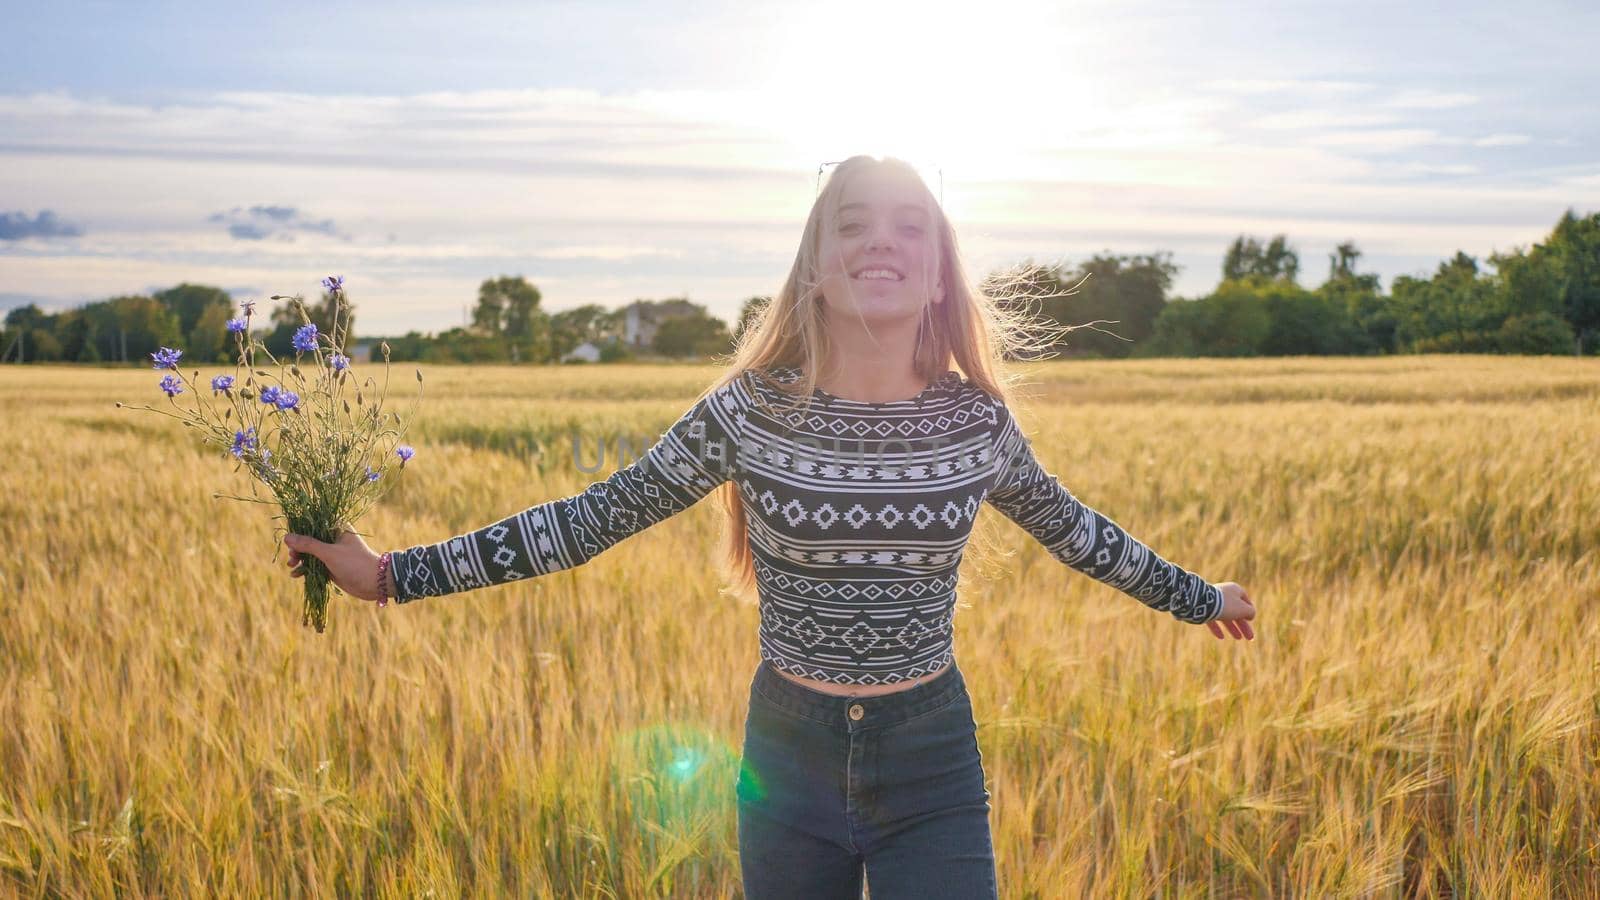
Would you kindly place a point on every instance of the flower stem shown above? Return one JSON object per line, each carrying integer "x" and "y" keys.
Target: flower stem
{"x": 316, "y": 608}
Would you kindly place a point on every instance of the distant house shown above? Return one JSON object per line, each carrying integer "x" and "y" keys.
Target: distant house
{"x": 641, "y": 318}
{"x": 584, "y": 352}
{"x": 361, "y": 351}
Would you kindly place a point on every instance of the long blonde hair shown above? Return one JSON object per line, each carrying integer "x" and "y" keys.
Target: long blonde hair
{"x": 973, "y": 328}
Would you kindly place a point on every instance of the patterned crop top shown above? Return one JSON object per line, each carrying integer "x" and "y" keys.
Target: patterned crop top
{"x": 857, "y": 515}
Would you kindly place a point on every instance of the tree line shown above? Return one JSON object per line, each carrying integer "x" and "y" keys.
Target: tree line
{"x": 129, "y": 328}
{"x": 509, "y": 326}
{"x": 1543, "y": 299}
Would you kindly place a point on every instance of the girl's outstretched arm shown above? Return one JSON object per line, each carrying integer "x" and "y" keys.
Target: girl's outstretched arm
{"x": 693, "y": 456}
{"x": 1087, "y": 540}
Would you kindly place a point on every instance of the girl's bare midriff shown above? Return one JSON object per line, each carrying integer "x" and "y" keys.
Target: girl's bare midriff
{"x": 860, "y": 690}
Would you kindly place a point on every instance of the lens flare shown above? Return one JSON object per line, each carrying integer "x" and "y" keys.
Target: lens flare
{"x": 678, "y": 778}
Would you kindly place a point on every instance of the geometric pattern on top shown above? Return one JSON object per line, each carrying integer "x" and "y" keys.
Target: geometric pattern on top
{"x": 857, "y": 515}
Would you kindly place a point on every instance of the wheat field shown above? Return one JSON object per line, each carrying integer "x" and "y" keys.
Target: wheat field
{"x": 1419, "y": 715}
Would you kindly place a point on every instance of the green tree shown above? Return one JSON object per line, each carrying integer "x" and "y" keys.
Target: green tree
{"x": 614, "y": 350}
{"x": 1361, "y": 298}
{"x": 43, "y": 346}
{"x": 410, "y": 347}
{"x": 466, "y": 345}
{"x": 696, "y": 334}
{"x": 488, "y": 317}
{"x": 1178, "y": 331}
{"x": 522, "y": 302}
{"x": 35, "y": 330}
{"x": 210, "y": 340}
{"x": 1110, "y": 303}
{"x": 24, "y": 317}
{"x": 1456, "y": 302}
{"x": 1275, "y": 261}
{"x": 76, "y": 334}
{"x": 1575, "y": 243}
{"x": 1127, "y": 293}
{"x": 1232, "y": 321}
{"x": 749, "y": 313}
{"x": 508, "y": 308}
{"x": 503, "y": 303}
{"x": 1342, "y": 261}
{"x": 572, "y": 327}
{"x": 1535, "y": 334}
{"x": 130, "y": 328}
{"x": 1530, "y": 280}
{"x": 1304, "y": 323}
{"x": 190, "y": 302}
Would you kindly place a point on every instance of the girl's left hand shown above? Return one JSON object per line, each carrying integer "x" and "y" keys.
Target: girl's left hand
{"x": 1237, "y": 611}
{"x": 352, "y": 565}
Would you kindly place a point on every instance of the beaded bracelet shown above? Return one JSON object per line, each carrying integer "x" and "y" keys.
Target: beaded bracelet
{"x": 383, "y": 567}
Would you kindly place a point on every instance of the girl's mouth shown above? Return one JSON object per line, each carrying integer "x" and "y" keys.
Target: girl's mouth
{"x": 877, "y": 273}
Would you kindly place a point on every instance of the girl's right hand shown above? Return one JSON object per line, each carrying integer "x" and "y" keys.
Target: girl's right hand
{"x": 1237, "y": 611}
{"x": 352, "y": 565}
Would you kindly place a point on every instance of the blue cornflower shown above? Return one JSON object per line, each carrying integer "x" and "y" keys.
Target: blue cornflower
{"x": 405, "y": 452}
{"x": 221, "y": 383}
{"x": 340, "y": 362}
{"x": 171, "y": 385}
{"x": 333, "y": 283}
{"x": 243, "y": 441}
{"x": 269, "y": 394}
{"x": 287, "y": 400}
{"x": 247, "y": 306}
{"x": 371, "y": 475}
{"x": 166, "y": 358}
{"x": 305, "y": 338}
{"x": 236, "y": 325}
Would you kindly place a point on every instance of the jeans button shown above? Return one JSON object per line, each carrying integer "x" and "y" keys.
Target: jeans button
{"x": 856, "y": 712}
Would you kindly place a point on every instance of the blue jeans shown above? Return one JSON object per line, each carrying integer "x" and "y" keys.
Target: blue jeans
{"x": 894, "y": 784}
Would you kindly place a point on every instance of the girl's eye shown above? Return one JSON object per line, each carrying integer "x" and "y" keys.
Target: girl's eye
{"x": 850, "y": 228}
{"x": 914, "y": 230}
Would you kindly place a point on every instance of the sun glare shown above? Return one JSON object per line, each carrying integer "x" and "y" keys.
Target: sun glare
{"x": 974, "y": 94}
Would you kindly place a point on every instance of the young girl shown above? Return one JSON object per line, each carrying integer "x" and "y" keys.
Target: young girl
{"x": 852, "y": 462}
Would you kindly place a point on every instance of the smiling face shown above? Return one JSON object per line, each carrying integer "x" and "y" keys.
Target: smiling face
{"x": 879, "y": 259}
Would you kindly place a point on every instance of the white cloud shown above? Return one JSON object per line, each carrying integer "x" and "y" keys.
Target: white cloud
{"x": 1275, "y": 86}
{"x": 1376, "y": 140}
{"x": 607, "y": 197}
{"x": 1428, "y": 99}
{"x": 1323, "y": 118}
{"x": 1416, "y": 168}
{"x": 1503, "y": 140}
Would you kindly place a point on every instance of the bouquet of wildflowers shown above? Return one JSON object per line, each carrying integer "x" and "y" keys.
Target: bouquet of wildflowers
{"x": 295, "y": 430}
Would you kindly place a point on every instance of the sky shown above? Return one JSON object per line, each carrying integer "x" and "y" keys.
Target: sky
{"x": 610, "y": 151}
